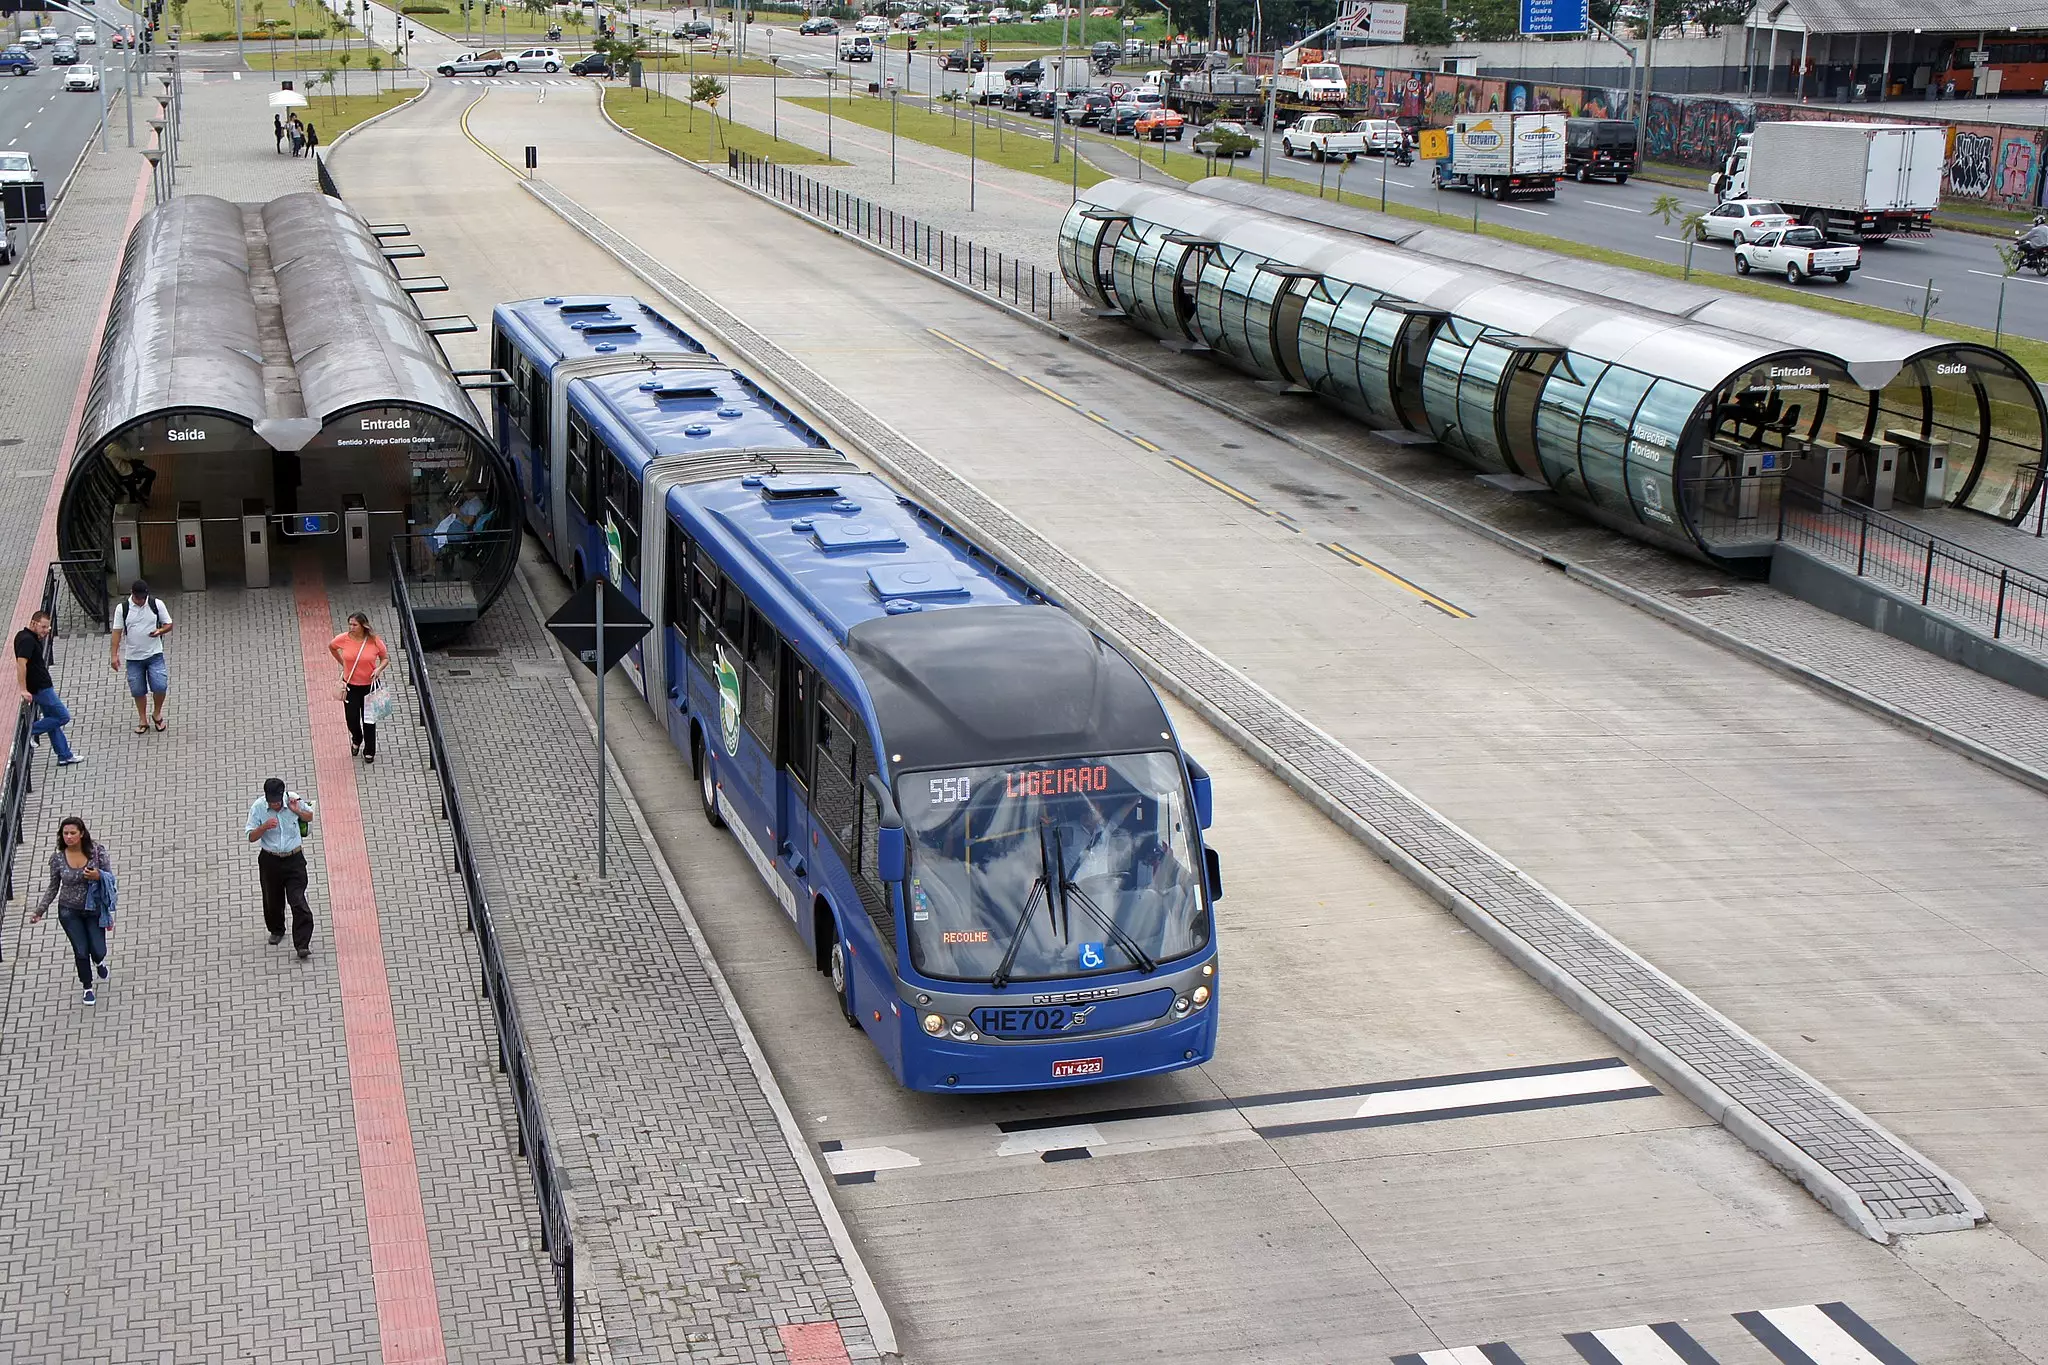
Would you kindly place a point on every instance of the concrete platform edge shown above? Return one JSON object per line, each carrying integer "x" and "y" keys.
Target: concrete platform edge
{"x": 880, "y": 1326}
{"x": 1688, "y": 1081}
{"x": 1948, "y": 739}
{"x": 28, "y": 257}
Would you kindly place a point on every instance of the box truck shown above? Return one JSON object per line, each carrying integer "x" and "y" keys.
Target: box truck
{"x": 1871, "y": 181}
{"x": 1504, "y": 155}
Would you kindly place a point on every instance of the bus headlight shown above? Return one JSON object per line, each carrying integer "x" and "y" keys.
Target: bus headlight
{"x": 1208, "y": 969}
{"x": 1180, "y": 1004}
{"x": 959, "y": 1028}
{"x": 1200, "y": 996}
{"x": 934, "y": 1025}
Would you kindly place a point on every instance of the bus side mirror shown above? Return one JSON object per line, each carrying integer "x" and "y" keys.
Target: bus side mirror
{"x": 1214, "y": 866}
{"x": 890, "y": 852}
{"x": 1205, "y": 802}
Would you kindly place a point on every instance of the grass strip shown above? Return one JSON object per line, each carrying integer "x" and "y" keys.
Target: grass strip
{"x": 334, "y": 115}
{"x": 1007, "y": 148}
{"x": 696, "y": 133}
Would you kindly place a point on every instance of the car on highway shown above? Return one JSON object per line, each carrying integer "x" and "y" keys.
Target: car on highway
{"x": 1121, "y": 121}
{"x": 962, "y": 59}
{"x": 16, "y": 60}
{"x": 819, "y": 27}
{"x": 1799, "y": 253}
{"x": 16, "y": 167}
{"x": 1031, "y": 73}
{"x": 1743, "y": 220}
{"x": 118, "y": 38}
{"x": 82, "y": 78}
{"x": 1087, "y": 108}
{"x": 85, "y": 34}
{"x": 488, "y": 63}
{"x": 857, "y": 48}
{"x": 698, "y": 28}
{"x": 591, "y": 64}
{"x": 1234, "y": 130}
{"x": 63, "y": 54}
{"x": 874, "y": 23}
{"x": 910, "y": 22}
{"x": 1159, "y": 123}
{"x": 1041, "y": 104}
{"x": 31, "y": 38}
{"x": 545, "y": 59}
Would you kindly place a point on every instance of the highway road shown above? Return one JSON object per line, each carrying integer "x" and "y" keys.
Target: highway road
{"x": 51, "y": 124}
{"x": 1964, "y": 267}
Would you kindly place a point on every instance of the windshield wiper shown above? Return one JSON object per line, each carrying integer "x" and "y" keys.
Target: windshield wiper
{"x": 1070, "y": 891}
{"x": 1042, "y": 883}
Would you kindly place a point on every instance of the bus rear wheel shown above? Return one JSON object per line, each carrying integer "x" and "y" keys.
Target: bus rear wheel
{"x": 707, "y": 782}
{"x": 840, "y": 984}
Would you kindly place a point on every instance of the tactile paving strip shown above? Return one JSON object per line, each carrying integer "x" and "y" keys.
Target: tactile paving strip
{"x": 1901, "y": 1190}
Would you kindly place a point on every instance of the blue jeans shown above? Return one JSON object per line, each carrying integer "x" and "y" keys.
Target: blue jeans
{"x": 148, "y": 675}
{"x": 56, "y": 715}
{"x": 88, "y": 941}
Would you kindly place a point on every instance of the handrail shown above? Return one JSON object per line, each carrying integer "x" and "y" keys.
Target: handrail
{"x": 1948, "y": 576}
{"x": 514, "y": 1061}
{"x": 1011, "y": 280}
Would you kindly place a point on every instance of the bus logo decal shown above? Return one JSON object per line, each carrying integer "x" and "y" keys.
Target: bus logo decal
{"x": 1077, "y": 1018}
{"x": 728, "y": 703}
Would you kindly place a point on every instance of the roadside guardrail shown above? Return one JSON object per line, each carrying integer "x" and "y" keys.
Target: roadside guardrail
{"x": 536, "y": 1143}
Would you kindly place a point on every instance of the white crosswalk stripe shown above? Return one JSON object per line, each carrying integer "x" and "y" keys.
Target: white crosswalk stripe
{"x": 1821, "y": 1334}
{"x": 1664, "y": 1343}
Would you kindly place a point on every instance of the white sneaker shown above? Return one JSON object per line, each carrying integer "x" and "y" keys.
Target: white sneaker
{"x": 71, "y": 761}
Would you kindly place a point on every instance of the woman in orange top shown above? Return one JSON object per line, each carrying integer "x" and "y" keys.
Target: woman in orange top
{"x": 363, "y": 659}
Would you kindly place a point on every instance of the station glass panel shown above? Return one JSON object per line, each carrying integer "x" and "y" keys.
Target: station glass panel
{"x": 1440, "y": 382}
{"x": 1378, "y": 343}
{"x": 1313, "y": 338}
{"x": 1656, "y": 437}
{"x": 1134, "y": 266}
{"x": 1603, "y": 442}
{"x": 2012, "y": 446}
{"x": 1260, "y": 291}
{"x": 1353, "y": 356}
{"x": 1211, "y": 300}
{"x": 1478, "y": 395}
{"x": 1558, "y": 415}
{"x": 1078, "y": 236}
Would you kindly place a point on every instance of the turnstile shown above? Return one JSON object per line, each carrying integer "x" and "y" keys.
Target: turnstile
{"x": 191, "y": 548}
{"x": 355, "y": 533}
{"x": 1923, "y": 469}
{"x": 127, "y": 544}
{"x": 1821, "y": 467}
{"x": 1873, "y": 474}
{"x": 255, "y": 544}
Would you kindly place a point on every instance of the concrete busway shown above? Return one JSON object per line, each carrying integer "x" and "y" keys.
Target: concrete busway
{"x": 1798, "y": 863}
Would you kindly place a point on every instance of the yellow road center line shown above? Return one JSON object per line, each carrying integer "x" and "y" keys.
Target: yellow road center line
{"x": 1351, "y": 556}
{"x": 1061, "y": 399}
{"x": 961, "y": 345}
{"x": 1247, "y": 499}
{"x": 478, "y": 142}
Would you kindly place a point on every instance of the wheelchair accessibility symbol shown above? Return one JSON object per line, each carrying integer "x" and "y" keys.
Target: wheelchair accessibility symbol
{"x": 1092, "y": 955}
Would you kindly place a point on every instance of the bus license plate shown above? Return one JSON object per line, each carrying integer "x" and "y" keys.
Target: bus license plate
{"x": 1077, "y": 1066}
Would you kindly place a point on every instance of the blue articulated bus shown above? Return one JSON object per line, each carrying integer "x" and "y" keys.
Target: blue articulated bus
{"x": 974, "y": 811}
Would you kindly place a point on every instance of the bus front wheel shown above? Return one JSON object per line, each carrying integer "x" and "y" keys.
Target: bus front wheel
{"x": 707, "y": 784}
{"x": 840, "y": 985}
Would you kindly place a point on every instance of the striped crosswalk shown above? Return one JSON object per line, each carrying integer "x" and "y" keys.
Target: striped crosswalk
{"x": 1806, "y": 1334}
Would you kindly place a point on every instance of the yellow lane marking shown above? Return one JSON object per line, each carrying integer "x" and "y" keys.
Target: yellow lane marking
{"x": 478, "y": 142}
{"x": 1351, "y": 556}
{"x": 1230, "y": 490}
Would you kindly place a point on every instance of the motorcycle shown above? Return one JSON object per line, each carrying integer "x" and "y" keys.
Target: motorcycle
{"x": 1405, "y": 156}
{"x": 2032, "y": 246}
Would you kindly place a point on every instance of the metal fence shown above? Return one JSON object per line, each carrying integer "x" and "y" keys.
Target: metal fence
{"x": 1950, "y": 577}
{"x": 1007, "y": 278}
{"x": 535, "y": 1142}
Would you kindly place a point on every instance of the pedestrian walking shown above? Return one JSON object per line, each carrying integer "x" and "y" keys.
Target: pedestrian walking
{"x": 362, "y": 658}
{"x": 82, "y": 885}
{"x": 140, "y": 624}
{"x": 280, "y": 821}
{"x": 277, "y": 123}
{"x": 312, "y": 138}
{"x": 32, "y": 676}
{"x": 297, "y": 132}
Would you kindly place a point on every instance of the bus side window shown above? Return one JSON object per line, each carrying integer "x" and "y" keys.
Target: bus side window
{"x": 874, "y": 895}
{"x": 675, "y": 582}
{"x": 833, "y": 804}
{"x": 757, "y": 706}
{"x": 536, "y": 406}
{"x": 579, "y": 464}
{"x": 622, "y": 500}
{"x": 705, "y": 582}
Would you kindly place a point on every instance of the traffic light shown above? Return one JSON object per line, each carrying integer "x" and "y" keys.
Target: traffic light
{"x": 636, "y": 29}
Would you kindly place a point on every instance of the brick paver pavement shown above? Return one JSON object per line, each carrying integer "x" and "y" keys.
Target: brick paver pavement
{"x": 696, "y": 1233}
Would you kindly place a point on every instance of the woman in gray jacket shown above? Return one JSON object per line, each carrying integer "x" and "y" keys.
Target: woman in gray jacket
{"x": 81, "y": 884}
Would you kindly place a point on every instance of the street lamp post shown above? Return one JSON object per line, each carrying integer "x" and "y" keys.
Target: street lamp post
{"x": 1059, "y": 77}
{"x": 892, "y": 130}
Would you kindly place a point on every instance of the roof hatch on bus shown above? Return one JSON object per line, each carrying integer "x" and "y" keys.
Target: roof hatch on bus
{"x": 596, "y": 329}
{"x": 571, "y": 309}
{"x": 675, "y": 392}
{"x": 924, "y": 580}
{"x": 855, "y": 535}
{"x": 796, "y": 487}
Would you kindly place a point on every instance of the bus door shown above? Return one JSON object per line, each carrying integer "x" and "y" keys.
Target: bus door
{"x": 793, "y": 727}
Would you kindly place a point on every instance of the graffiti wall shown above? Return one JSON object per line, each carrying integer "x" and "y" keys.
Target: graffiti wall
{"x": 1994, "y": 164}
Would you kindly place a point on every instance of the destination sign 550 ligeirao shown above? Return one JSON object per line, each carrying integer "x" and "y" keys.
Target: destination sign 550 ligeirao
{"x": 1083, "y": 777}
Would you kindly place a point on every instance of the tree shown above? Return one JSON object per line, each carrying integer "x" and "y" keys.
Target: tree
{"x": 375, "y": 61}
{"x": 345, "y": 58}
{"x": 708, "y": 91}
{"x": 1428, "y": 26}
{"x": 326, "y": 78}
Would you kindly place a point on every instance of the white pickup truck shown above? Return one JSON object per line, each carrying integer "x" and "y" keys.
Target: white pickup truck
{"x": 1323, "y": 137}
{"x": 1798, "y": 252}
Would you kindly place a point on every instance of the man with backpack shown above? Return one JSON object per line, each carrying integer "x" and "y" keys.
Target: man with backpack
{"x": 140, "y": 624}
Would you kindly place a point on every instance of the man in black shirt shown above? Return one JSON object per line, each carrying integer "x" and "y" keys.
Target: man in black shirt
{"x": 32, "y": 677}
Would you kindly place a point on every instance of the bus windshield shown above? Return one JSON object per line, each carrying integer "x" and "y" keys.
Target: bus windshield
{"x": 1040, "y": 871}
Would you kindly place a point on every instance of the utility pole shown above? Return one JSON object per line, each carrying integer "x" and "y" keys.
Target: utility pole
{"x": 1649, "y": 54}
{"x": 1059, "y": 79}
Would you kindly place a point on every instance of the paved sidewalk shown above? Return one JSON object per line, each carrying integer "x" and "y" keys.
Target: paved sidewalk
{"x": 696, "y": 1233}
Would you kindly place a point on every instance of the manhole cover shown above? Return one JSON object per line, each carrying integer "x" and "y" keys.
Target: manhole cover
{"x": 1701, "y": 592}
{"x": 474, "y": 652}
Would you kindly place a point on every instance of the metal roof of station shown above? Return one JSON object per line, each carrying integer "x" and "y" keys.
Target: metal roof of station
{"x": 1901, "y": 16}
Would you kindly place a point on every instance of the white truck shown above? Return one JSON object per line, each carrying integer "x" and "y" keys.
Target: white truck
{"x": 1322, "y": 137}
{"x": 1871, "y": 181}
{"x": 1799, "y": 254}
{"x": 1314, "y": 83}
{"x": 1502, "y": 155}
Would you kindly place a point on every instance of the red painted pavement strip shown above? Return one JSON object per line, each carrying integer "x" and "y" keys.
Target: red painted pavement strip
{"x": 43, "y": 548}
{"x": 401, "y": 1261}
{"x": 814, "y": 1343}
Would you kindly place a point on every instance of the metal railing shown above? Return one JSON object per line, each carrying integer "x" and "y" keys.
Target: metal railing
{"x": 19, "y": 782}
{"x": 1943, "y": 574}
{"x": 1007, "y": 278}
{"x": 514, "y": 1062}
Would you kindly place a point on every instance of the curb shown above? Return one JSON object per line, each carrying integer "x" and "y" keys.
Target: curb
{"x": 880, "y": 1327}
{"x": 378, "y": 117}
{"x": 26, "y": 257}
{"x": 1827, "y": 1188}
{"x": 1782, "y": 664}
